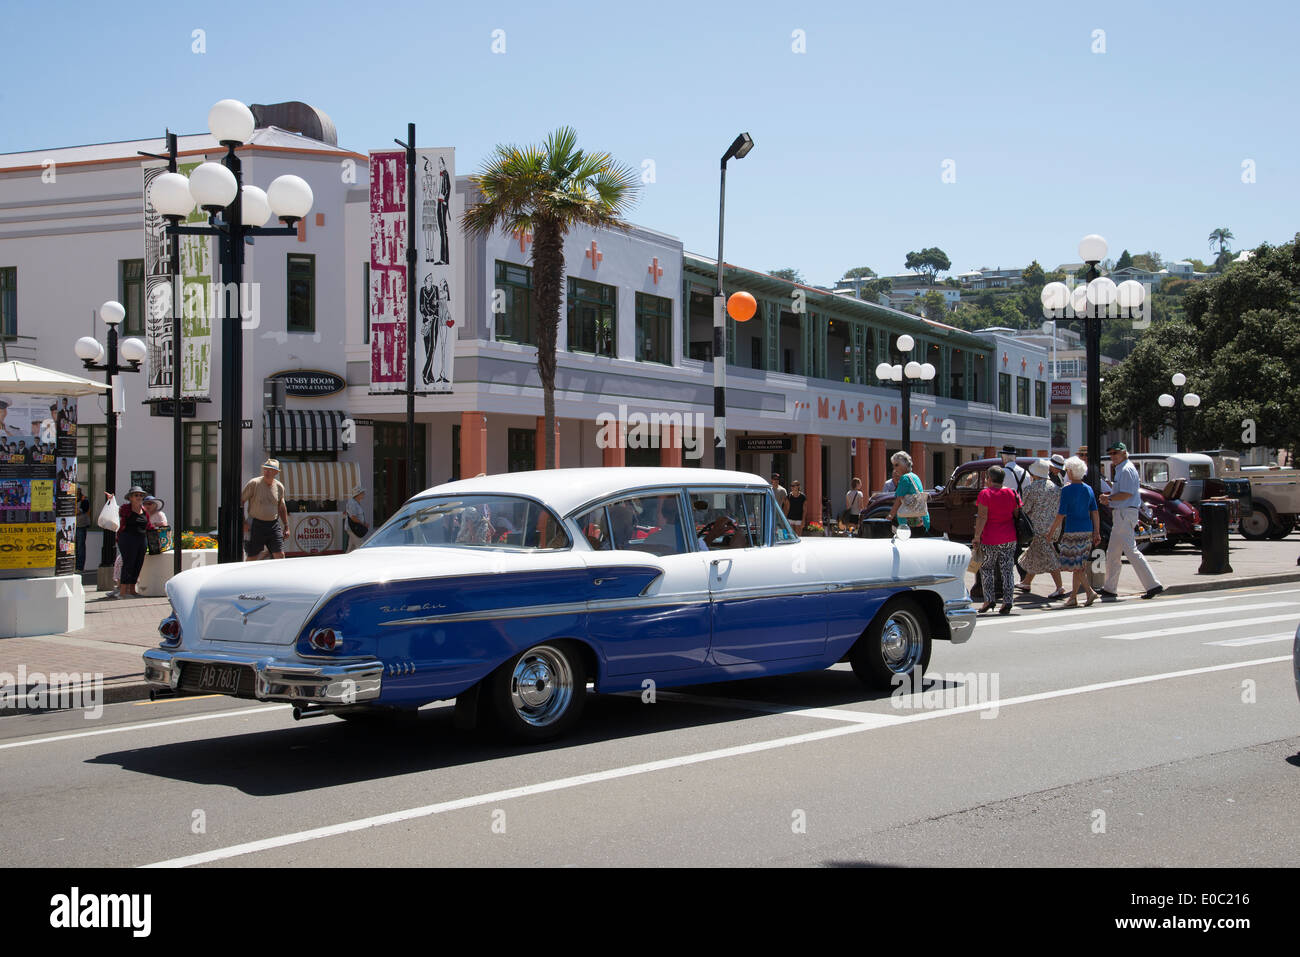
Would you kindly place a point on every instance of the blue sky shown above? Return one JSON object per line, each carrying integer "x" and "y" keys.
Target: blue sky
{"x": 1143, "y": 143}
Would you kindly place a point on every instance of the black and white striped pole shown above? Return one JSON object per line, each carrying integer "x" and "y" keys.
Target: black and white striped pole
{"x": 739, "y": 148}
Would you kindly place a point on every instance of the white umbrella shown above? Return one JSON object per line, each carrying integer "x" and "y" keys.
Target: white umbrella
{"x": 23, "y": 377}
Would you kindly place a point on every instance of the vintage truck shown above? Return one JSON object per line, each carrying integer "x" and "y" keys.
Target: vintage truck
{"x": 1192, "y": 478}
{"x": 1274, "y": 495}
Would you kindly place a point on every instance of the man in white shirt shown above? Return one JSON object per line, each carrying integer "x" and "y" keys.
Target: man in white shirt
{"x": 1018, "y": 479}
{"x": 1124, "y": 500}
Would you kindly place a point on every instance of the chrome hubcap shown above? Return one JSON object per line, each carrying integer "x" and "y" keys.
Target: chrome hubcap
{"x": 541, "y": 686}
{"x": 902, "y": 642}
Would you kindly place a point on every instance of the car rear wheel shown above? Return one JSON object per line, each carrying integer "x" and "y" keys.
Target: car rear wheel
{"x": 895, "y": 644}
{"x": 1281, "y": 529}
{"x": 1255, "y": 526}
{"x": 539, "y": 694}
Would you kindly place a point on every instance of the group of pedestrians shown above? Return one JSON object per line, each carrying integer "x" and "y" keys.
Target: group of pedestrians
{"x": 1054, "y": 503}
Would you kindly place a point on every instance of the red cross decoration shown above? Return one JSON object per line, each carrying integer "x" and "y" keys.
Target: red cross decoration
{"x": 1004, "y": 358}
{"x": 594, "y": 255}
{"x": 655, "y": 269}
{"x": 1023, "y": 362}
{"x": 524, "y": 238}
{"x": 1040, "y": 368}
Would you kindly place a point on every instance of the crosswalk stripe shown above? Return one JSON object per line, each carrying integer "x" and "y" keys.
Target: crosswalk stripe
{"x": 1187, "y": 629}
{"x": 1256, "y": 640}
{"x": 1124, "y": 606}
{"x": 1160, "y": 614}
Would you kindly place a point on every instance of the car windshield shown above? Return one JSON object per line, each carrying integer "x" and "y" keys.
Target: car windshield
{"x": 493, "y": 521}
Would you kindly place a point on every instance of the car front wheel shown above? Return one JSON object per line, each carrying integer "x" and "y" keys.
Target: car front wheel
{"x": 895, "y": 644}
{"x": 1255, "y": 526}
{"x": 539, "y": 694}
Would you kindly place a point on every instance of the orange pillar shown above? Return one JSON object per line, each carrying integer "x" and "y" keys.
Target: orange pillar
{"x": 615, "y": 453}
{"x": 917, "y": 452}
{"x": 670, "y": 447}
{"x": 879, "y": 467}
{"x": 990, "y": 452}
{"x": 473, "y": 444}
{"x": 812, "y": 478}
{"x": 1041, "y": 453}
{"x": 540, "y": 462}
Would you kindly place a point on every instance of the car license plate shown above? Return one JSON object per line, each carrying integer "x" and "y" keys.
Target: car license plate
{"x": 221, "y": 679}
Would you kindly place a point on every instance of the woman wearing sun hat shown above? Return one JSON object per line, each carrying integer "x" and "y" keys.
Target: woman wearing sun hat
{"x": 132, "y": 540}
{"x": 1040, "y": 503}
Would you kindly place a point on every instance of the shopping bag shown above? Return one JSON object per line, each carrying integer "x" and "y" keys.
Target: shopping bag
{"x": 108, "y": 519}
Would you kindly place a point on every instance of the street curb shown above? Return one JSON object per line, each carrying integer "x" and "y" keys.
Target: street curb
{"x": 1219, "y": 582}
{"x": 117, "y": 692}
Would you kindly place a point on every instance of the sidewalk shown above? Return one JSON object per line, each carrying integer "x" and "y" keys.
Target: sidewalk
{"x": 118, "y": 631}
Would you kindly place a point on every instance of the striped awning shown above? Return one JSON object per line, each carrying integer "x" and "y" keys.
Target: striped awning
{"x": 319, "y": 481}
{"x": 303, "y": 430}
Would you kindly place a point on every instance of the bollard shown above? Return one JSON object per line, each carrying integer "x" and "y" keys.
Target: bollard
{"x": 1214, "y": 539}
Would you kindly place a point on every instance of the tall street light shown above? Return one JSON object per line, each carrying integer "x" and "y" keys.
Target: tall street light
{"x": 739, "y": 148}
{"x": 1189, "y": 399}
{"x": 90, "y": 352}
{"x": 905, "y": 375}
{"x": 235, "y": 212}
{"x": 1100, "y": 298}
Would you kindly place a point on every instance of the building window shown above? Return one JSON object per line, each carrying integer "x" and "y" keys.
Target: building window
{"x": 957, "y": 374}
{"x": 301, "y": 283}
{"x": 654, "y": 329}
{"x": 92, "y": 461}
{"x": 756, "y": 353}
{"x": 517, "y": 320}
{"x": 1004, "y": 392}
{"x": 9, "y": 301}
{"x": 1022, "y": 395}
{"x": 592, "y": 318}
{"x": 200, "y": 475}
{"x": 521, "y": 453}
{"x": 365, "y": 303}
{"x": 1040, "y": 398}
{"x": 130, "y": 284}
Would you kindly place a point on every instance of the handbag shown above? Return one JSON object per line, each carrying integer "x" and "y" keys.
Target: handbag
{"x": 153, "y": 541}
{"x": 913, "y": 506}
{"x": 358, "y": 529}
{"x": 1024, "y": 529}
{"x": 976, "y": 559}
{"x": 108, "y": 517}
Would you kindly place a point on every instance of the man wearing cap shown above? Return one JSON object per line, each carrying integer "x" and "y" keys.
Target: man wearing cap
{"x": 1124, "y": 499}
{"x": 268, "y": 515}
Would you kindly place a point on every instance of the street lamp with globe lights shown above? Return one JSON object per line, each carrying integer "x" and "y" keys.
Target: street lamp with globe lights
{"x": 91, "y": 352}
{"x": 1100, "y": 298}
{"x": 235, "y": 212}
{"x": 1177, "y": 402}
{"x": 738, "y": 149}
{"x": 905, "y": 375}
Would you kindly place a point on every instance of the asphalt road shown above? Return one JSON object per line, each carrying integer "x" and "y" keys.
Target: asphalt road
{"x": 1149, "y": 733}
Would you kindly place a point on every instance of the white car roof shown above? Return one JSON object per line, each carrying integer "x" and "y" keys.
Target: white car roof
{"x": 1191, "y": 458}
{"x": 566, "y": 489}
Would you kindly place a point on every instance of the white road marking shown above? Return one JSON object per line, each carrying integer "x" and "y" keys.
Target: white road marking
{"x": 560, "y": 784}
{"x": 1256, "y": 640}
{"x": 764, "y": 707}
{"x": 1124, "y": 606}
{"x": 52, "y": 739}
{"x": 1188, "y": 629}
{"x": 1161, "y": 613}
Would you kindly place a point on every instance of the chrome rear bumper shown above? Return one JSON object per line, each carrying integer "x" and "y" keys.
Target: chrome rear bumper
{"x": 348, "y": 682}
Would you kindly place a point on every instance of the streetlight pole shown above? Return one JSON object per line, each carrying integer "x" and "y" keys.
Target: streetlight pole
{"x": 1176, "y": 402}
{"x": 905, "y": 375}
{"x": 219, "y": 189}
{"x": 739, "y": 148}
{"x": 90, "y": 352}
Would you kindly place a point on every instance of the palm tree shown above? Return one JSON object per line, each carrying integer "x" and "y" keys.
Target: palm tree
{"x": 1221, "y": 236}
{"x": 547, "y": 190}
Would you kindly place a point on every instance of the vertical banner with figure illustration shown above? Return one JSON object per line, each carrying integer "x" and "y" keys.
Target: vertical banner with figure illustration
{"x": 196, "y": 303}
{"x": 38, "y": 484}
{"x": 437, "y": 265}
{"x": 388, "y": 286}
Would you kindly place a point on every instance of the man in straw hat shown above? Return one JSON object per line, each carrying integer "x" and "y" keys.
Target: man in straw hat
{"x": 268, "y": 515}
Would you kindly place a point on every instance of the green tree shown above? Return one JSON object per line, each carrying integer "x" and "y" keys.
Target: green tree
{"x": 928, "y": 262}
{"x": 1221, "y": 235}
{"x": 1130, "y": 395}
{"x": 1149, "y": 260}
{"x": 1034, "y": 276}
{"x": 548, "y": 190}
{"x": 860, "y": 272}
{"x": 934, "y": 306}
{"x": 1125, "y": 260}
{"x": 789, "y": 273}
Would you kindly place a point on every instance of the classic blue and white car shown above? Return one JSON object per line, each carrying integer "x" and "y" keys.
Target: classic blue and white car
{"x": 511, "y": 593}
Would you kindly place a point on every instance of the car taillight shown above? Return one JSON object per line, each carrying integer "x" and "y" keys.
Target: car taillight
{"x": 170, "y": 629}
{"x": 325, "y": 639}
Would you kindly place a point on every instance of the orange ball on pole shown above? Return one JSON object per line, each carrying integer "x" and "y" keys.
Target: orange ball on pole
{"x": 741, "y": 306}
